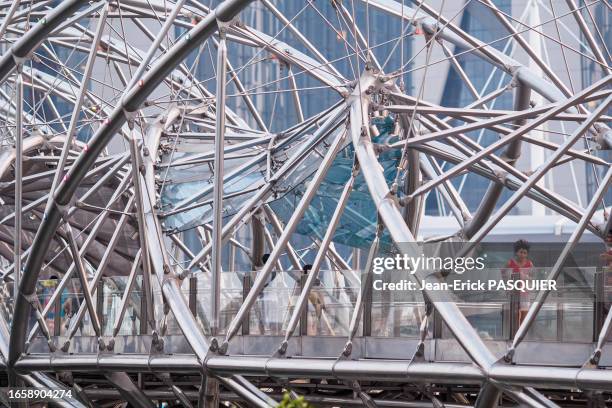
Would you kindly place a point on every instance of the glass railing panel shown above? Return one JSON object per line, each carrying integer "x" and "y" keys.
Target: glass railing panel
{"x": 230, "y": 298}
{"x": 577, "y": 322}
{"x": 6, "y": 301}
{"x": 578, "y": 299}
{"x": 569, "y": 313}
{"x": 164, "y": 317}
{"x": 71, "y": 300}
{"x": 110, "y": 306}
{"x": 488, "y": 311}
{"x": 45, "y": 291}
{"x": 545, "y": 325}
{"x": 398, "y": 319}
{"x": 486, "y": 318}
{"x": 272, "y": 310}
{"x": 606, "y": 293}
{"x": 396, "y": 313}
{"x": 331, "y": 304}
{"x": 566, "y": 315}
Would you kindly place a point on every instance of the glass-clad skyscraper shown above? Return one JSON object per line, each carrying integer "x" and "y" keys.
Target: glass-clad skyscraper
{"x": 479, "y": 21}
{"x": 599, "y": 20}
{"x": 55, "y": 60}
{"x": 324, "y": 25}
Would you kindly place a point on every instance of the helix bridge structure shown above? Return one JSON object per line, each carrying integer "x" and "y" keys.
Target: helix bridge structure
{"x": 164, "y": 243}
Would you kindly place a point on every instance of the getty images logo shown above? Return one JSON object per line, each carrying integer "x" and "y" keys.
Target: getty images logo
{"x": 413, "y": 264}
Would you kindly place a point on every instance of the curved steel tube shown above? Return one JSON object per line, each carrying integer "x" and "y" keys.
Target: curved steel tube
{"x": 30, "y": 40}
{"x": 393, "y": 219}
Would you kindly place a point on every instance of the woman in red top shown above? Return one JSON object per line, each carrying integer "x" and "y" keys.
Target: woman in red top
{"x": 520, "y": 267}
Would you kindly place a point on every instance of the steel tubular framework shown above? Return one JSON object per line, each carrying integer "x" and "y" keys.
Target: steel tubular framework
{"x": 105, "y": 107}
